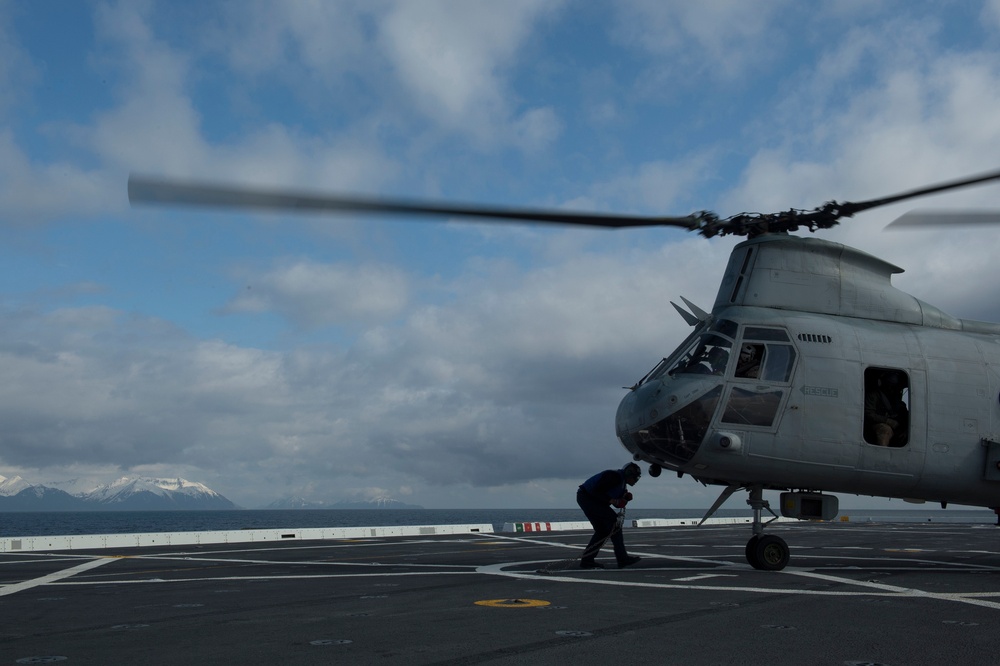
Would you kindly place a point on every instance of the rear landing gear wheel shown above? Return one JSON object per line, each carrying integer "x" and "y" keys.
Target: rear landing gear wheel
{"x": 767, "y": 552}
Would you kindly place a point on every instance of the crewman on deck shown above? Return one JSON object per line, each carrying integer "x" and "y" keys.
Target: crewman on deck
{"x": 886, "y": 414}
{"x": 595, "y": 496}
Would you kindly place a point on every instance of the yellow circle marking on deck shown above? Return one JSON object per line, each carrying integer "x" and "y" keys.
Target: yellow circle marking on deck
{"x": 513, "y": 603}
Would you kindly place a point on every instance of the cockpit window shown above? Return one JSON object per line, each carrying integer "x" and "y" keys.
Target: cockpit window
{"x": 707, "y": 354}
{"x": 757, "y": 333}
{"x": 725, "y": 327}
{"x": 678, "y": 436}
{"x": 751, "y": 357}
{"x": 706, "y": 351}
{"x": 766, "y": 354}
{"x": 778, "y": 363}
{"x": 752, "y": 407}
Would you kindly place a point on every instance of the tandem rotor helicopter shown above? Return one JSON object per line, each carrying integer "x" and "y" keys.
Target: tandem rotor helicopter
{"x": 811, "y": 374}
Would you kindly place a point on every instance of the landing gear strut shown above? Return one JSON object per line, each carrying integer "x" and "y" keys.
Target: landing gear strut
{"x": 766, "y": 552}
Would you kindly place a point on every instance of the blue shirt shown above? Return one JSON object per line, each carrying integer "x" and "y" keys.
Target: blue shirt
{"x": 606, "y": 485}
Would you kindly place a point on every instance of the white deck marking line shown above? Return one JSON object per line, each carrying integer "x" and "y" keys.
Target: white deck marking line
{"x": 971, "y": 598}
{"x": 703, "y": 577}
{"x": 962, "y": 597}
{"x": 698, "y": 560}
{"x": 497, "y": 569}
{"x": 55, "y": 576}
{"x": 274, "y": 577}
{"x": 227, "y": 560}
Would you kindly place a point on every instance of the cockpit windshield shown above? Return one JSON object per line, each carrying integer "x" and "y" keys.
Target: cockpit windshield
{"x": 709, "y": 355}
{"x": 706, "y": 351}
{"x": 677, "y": 437}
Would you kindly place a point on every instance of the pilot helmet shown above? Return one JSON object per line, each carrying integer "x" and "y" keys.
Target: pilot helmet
{"x": 747, "y": 353}
{"x": 892, "y": 380}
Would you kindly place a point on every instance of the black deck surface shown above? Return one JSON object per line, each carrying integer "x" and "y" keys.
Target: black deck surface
{"x": 868, "y": 593}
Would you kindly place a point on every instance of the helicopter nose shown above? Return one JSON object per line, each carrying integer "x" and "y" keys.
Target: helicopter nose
{"x": 637, "y": 410}
{"x": 659, "y": 426}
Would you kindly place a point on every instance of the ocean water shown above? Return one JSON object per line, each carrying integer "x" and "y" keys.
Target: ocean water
{"x": 43, "y": 523}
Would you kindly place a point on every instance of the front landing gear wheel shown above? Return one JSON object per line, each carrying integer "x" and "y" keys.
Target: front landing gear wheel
{"x": 767, "y": 552}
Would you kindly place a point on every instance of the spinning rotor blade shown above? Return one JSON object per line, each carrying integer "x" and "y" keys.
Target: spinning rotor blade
{"x": 941, "y": 218}
{"x": 147, "y": 190}
{"x": 931, "y": 189}
{"x": 142, "y": 190}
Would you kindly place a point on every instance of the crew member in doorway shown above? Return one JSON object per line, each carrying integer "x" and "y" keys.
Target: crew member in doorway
{"x": 595, "y": 496}
{"x": 885, "y": 411}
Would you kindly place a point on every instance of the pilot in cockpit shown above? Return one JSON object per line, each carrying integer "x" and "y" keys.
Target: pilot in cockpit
{"x": 718, "y": 359}
{"x": 749, "y": 363}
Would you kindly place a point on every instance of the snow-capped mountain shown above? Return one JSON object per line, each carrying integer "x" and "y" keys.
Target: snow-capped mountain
{"x": 125, "y": 494}
{"x": 178, "y": 491}
{"x": 11, "y": 487}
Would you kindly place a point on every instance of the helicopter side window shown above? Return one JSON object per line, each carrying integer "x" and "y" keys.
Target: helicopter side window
{"x": 751, "y": 356}
{"x": 765, "y": 334}
{"x": 752, "y": 408}
{"x": 778, "y": 363}
{"x": 762, "y": 356}
{"x": 887, "y": 407}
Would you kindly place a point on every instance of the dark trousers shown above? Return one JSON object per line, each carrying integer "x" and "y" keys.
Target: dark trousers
{"x": 604, "y": 520}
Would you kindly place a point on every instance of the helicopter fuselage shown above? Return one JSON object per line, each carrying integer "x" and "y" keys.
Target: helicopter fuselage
{"x": 779, "y": 386}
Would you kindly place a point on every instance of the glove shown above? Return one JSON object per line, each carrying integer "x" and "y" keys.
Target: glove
{"x": 622, "y": 501}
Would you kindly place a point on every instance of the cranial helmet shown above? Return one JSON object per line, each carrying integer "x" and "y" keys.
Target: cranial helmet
{"x": 892, "y": 379}
{"x": 632, "y": 473}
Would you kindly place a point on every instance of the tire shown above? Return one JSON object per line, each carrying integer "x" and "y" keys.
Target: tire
{"x": 768, "y": 552}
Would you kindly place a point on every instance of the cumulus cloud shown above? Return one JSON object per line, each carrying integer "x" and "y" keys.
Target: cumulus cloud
{"x": 718, "y": 39}
{"x": 454, "y": 57}
{"x": 311, "y": 294}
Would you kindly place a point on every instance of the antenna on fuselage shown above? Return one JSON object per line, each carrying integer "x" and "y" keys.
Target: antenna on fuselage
{"x": 693, "y": 318}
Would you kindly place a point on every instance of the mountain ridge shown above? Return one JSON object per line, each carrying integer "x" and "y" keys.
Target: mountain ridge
{"x": 128, "y": 493}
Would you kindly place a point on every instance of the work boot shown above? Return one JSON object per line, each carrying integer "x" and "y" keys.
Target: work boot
{"x": 590, "y": 564}
{"x": 628, "y": 561}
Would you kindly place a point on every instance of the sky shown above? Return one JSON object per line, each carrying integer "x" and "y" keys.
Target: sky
{"x": 443, "y": 363}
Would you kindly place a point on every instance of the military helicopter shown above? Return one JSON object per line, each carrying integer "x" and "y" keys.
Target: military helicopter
{"x": 812, "y": 374}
